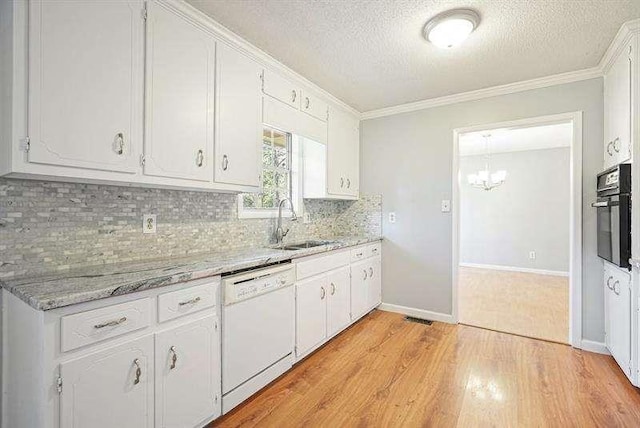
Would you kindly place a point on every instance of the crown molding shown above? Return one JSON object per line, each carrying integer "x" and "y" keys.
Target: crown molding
{"x": 510, "y": 88}
{"x": 628, "y": 30}
{"x": 232, "y": 39}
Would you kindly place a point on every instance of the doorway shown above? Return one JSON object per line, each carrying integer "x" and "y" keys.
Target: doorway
{"x": 517, "y": 227}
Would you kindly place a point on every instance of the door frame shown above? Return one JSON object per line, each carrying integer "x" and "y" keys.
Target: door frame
{"x": 575, "y": 234}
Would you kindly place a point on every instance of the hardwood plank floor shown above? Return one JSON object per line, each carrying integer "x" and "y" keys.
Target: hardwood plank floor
{"x": 387, "y": 372}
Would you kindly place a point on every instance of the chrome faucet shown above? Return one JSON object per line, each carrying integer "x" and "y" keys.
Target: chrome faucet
{"x": 281, "y": 233}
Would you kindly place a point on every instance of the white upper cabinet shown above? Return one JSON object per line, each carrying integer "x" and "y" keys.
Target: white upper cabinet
{"x": 343, "y": 173}
{"x": 188, "y": 374}
{"x": 109, "y": 388}
{"x": 281, "y": 89}
{"x": 314, "y": 106}
{"x": 85, "y": 66}
{"x": 180, "y": 75}
{"x": 618, "y": 90}
{"x": 239, "y": 119}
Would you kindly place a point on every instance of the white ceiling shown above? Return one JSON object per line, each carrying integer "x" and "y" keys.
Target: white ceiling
{"x": 517, "y": 139}
{"x": 371, "y": 53}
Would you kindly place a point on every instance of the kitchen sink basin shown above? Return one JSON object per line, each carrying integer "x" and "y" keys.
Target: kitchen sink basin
{"x": 304, "y": 245}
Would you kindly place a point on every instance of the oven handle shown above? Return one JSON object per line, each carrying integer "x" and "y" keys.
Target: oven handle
{"x": 613, "y": 186}
{"x": 605, "y": 204}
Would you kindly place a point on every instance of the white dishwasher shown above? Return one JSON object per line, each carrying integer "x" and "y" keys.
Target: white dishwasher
{"x": 258, "y": 330}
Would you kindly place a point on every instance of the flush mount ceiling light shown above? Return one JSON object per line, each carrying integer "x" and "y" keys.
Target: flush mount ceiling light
{"x": 451, "y": 28}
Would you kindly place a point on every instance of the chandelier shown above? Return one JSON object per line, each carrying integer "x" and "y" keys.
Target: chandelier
{"x": 485, "y": 179}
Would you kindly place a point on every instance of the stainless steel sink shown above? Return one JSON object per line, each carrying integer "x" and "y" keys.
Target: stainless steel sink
{"x": 304, "y": 245}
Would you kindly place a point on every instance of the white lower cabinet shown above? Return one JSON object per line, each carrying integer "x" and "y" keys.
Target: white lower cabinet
{"x": 187, "y": 374}
{"x": 339, "y": 301}
{"x": 366, "y": 286}
{"x": 617, "y": 289}
{"x": 110, "y": 388}
{"x": 375, "y": 282}
{"x": 311, "y": 313}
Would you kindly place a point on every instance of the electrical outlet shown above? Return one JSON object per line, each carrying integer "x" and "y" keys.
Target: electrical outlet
{"x": 306, "y": 218}
{"x": 532, "y": 255}
{"x": 446, "y": 206}
{"x": 149, "y": 223}
{"x": 392, "y": 217}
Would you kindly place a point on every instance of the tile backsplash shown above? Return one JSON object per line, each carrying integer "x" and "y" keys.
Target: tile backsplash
{"x": 49, "y": 226}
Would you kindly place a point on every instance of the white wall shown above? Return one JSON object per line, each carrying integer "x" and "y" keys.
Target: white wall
{"x": 529, "y": 212}
{"x": 407, "y": 158}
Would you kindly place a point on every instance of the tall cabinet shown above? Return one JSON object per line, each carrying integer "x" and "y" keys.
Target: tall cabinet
{"x": 621, "y": 145}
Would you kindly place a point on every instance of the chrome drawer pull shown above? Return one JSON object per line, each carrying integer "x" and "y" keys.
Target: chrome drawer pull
{"x": 616, "y": 147}
{"x": 365, "y": 273}
{"x": 616, "y": 287}
{"x": 200, "y": 158}
{"x": 609, "y": 283}
{"x": 323, "y": 293}
{"x": 189, "y": 302}
{"x": 293, "y": 96}
{"x": 174, "y": 357}
{"x": 608, "y": 147}
{"x": 371, "y": 272}
{"x": 119, "y": 143}
{"x": 307, "y": 103}
{"x": 111, "y": 323}
{"x": 333, "y": 289}
{"x": 136, "y": 363}
{"x": 225, "y": 162}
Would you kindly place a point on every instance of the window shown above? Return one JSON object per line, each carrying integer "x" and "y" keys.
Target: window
{"x": 279, "y": 177}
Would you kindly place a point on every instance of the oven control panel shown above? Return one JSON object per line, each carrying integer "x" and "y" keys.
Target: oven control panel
{"x": 254, "y": 283}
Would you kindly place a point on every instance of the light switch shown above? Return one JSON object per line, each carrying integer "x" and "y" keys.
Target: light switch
{"x": 149, "y": 223}
{"x": 446, "y": 205}
{"x": 392, "y": 217}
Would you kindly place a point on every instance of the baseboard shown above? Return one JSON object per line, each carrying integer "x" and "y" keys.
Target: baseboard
{"x": 592, "y": 346}
{"x": 515, "y": 269}
{"x": 417, "y": 313}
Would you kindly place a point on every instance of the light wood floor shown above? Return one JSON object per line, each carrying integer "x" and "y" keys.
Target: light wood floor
{"x": 387, "y": 372}
{"x": 527, "y": 304}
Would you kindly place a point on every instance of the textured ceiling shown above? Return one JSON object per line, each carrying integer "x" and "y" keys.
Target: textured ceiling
{"x": 371, "y": 53}
{"x": 517, "y": 139}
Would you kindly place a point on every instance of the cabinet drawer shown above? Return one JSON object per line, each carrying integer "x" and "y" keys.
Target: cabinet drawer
{"x": 359, "y": 253}
{"x": 315, "y": 266}
{"x": 186, "y": 301}
{"x": 374, "y": 250}
{"x": 280, "y": 88}
{"x": 314, "y": 106}
{"x": 96, "y": 325}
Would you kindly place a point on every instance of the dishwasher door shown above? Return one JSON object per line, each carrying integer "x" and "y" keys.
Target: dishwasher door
{"x": 257, "y": 333}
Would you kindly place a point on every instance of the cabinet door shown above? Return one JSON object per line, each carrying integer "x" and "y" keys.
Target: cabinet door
{"x": 239, "y": 119}
{"x": 339, "y": 302}
{"x": 618, "y": 91}
{"x": 359, "y": 288}
{"x": 179, "y": 96}
{"x": 607, "y": 290}
{"x": 620, "y": 322}
{"x": 281, "y": 89}
{"x": 342, "y": 154}
{"x": 311, "y": 313}
{"x": 375, "y": 282}
{"x": 110, "y": 388}
{"x": 314, "y": 106}
{"x": 188, "y": 383}
{"x": 85, "y": 83}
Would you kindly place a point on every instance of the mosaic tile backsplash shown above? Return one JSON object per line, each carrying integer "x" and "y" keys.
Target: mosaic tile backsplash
{"x": 50, "y": 226}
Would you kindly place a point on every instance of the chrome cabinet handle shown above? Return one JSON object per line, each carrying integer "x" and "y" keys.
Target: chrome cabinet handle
{"x": 323, "y": 293}
{"x": 200, "y": 158}
{"x": 365, "y": 273}
{"x": 609, "y": 283}
{"x": 616, "y": 287}
{"x": 609, "y": 147}
{"x": 136, "y": 363}
{"x": 348, "y": 183}
{"x": 119, "y": 143}
{"x": 189, "y": 302}
{"x": 333, "y": 289}
{"x": 111, "y": 323}
{"x": 341, "y": 182}
{"x": 306, "y": 105}
{"x": 225, "y": 162}
{"x": 174, "y": 357}
{"x": 616, "y": 147}
{"x": 293, "y": 96}
{"x": 370, "y": 272}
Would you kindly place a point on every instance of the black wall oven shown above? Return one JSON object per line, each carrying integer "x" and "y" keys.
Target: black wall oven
{"x": 614, "y": 215}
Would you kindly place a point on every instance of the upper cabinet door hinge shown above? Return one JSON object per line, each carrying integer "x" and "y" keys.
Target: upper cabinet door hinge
{"x": 59, "y": 384}
{"x": 144, "y": 12}
{"x": 143, "y": 160}
{"x": 25, "y": 144}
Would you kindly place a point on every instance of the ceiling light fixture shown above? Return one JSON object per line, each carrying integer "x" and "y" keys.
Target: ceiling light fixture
{"x": 451, "y": 28}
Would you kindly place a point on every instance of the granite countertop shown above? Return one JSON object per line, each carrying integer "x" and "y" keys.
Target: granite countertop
{"x": 98, "y": 282}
